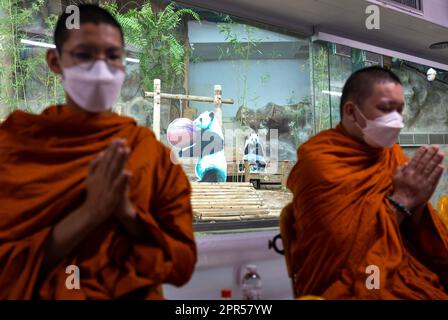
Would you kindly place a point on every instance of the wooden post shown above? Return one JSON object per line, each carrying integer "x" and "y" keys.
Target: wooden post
{"x": 218, "y": 103}
{"x": 284, "y": 173}
{"x": 246, "y": 171}
{"x": 156, "y": 109}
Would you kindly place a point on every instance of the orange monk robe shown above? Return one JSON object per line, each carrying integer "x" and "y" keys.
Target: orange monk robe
{"x": 44, "y": 160}
{"x": 344, "y": 224}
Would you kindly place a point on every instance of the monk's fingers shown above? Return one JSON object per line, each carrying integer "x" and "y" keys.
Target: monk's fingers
{"x": 399, "y": 170}
{"x": 95, "y": 163}
{"x": 118, "y": 163}
{"x": 434, "y": 177}
{"x": 436, "y": 159}
{"x": 423, "y": 158}
{"x": 416, "y": 159}
{"x": 107, "y": 153}
{"x": 120, "y": 185}
{"x": 111, "y": 151}
{"x": 403, "y": 166}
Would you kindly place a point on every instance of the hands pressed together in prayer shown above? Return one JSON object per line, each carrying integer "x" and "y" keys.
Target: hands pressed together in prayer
{"x": 108, "y": 189}
{"x": 415, "y": 181}
{"x": 107, "y": 197}
{"x": 107, "y": 183}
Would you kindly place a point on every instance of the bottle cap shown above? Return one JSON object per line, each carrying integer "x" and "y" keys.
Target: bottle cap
{"x": 226, "y": 293}
{"x": 251, "y": 268}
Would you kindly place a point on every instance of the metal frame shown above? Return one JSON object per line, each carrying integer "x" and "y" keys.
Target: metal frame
{"x": 367, "y": 47}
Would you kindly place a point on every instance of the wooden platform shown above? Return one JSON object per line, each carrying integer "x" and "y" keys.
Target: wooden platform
{"x": 230, "y": 201}
{"x": 234, "y": 174}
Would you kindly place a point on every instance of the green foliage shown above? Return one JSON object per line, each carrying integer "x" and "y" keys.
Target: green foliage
{"x": 154, "y": 35}
{"x": 26, "y": 82}
{"x": 320, "y": 85}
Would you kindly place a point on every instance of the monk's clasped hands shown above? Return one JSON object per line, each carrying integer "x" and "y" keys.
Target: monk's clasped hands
{"x": 415, "y": 181}
{"x": 108, "y": 183}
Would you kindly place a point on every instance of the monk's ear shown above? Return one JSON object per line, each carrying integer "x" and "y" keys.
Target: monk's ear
{"x": 53, "y": 61}
{"x": 349, "y": 110}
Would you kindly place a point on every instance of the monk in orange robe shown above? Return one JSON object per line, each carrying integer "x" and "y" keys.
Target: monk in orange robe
{"x": 363, "y": 225}
{"x": 82, "y": 187}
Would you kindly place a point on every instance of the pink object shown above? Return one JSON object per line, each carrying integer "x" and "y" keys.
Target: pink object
{"x": 180, "y": 133}
{"x": 95, "y": 89}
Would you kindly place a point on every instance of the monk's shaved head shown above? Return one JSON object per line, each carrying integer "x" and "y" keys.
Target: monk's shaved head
{"x": 360, "y": 84}
{"x": 88, "y": 13}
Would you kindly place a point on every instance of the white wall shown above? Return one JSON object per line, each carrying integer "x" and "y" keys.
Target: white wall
{"x": 280, "y": 81}
{"x": 436, "y": 11}
{"x": 221, "y": 261}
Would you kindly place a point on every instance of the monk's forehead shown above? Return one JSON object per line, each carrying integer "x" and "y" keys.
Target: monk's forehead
{"x": 387, "y": 92}
{"x": 91, "y": 34}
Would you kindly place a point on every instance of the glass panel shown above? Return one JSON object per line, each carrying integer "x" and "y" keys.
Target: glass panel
{"x": 321, "y": 86}
{"x": 340, "y": 69}
{"x": 426, "y": 101}
{"x": 249, "y": 63}
{"x": 266, "y": 73}
{"x": 284, "y": 88}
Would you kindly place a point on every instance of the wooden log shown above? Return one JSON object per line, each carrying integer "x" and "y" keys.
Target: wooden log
{"x": 230, "y": 210}
{"x": 227, "y": 203}
{"x": 187, "y": 97}
{"x": 222, "y": 204}
{"x": 210, "y": 194}
{"x": 240, "y": 218}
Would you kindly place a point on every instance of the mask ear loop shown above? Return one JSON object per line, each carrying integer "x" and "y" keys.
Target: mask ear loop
{"x": 362, "y": 115}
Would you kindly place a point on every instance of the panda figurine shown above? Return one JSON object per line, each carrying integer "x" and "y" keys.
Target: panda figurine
{"x": 209, "y": 144}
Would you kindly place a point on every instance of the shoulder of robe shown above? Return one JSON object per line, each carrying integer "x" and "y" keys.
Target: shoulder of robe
{"x": 147, "y": 139}
{"x": 318, "y": 144}
{"x": 146, "y": 134}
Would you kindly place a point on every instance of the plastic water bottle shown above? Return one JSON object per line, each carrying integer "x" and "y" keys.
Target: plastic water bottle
{"x": 251, "y": 284}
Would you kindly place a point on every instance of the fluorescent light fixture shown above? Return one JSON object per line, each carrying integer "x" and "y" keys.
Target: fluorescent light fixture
{"x": 133, "y": 60}
{"x": 332, "y": 93}
{"x": 52, "y": 46}
{"x": 38, "y": 43}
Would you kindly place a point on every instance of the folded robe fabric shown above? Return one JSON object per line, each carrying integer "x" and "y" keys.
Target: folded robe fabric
{"x": 44, "y": 160}
{"x": 347, "y": 230}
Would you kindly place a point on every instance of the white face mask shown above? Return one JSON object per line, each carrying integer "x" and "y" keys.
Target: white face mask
{"x": 95, "y": 89}
{"x": 382, "y": 132}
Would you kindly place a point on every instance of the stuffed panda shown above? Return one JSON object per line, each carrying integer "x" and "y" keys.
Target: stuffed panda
{"x": 209, "y": 144}
{"x": 254, "y": 153}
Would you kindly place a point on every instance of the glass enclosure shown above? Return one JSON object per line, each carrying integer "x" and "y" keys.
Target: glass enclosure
{"x": 283, "y": 87}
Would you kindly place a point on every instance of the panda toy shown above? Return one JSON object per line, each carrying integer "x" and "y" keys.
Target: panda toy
{"x": 209, "y": 144}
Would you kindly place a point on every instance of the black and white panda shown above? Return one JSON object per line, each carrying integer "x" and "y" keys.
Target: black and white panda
{"x": 212, "y": 164}
{"x": 254, "y": 153}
